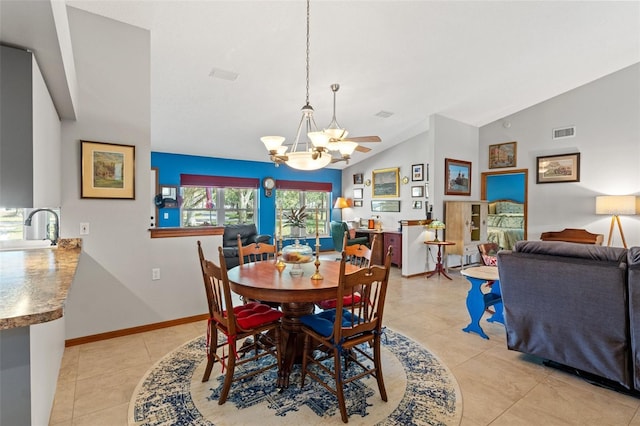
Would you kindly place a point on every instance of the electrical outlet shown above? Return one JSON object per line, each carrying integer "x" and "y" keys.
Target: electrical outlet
{"x": 84, "y": 228}
{"x": 155, "y": 274}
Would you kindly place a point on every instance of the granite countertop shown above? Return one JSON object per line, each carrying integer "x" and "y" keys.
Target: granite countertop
{"x": 34, "y": 283}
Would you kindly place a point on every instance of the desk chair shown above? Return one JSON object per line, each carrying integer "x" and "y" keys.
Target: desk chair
{"x": 236, "y": 323}
{"x": 358, "y": 255}
{"x": 342, "y": 330}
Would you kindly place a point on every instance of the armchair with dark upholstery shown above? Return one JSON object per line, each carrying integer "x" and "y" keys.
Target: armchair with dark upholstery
{"x": 248, "y": 234}
{"x": 337, "y": 235}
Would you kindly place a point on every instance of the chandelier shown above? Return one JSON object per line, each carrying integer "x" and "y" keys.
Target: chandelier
{"x": 310, "y": 154}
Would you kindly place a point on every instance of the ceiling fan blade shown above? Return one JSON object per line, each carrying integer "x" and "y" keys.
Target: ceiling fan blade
{"x": 364, "y": 139}
{"x": 361, "y": 148}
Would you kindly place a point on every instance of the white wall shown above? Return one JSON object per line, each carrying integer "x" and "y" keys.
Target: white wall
{"x": 606, "y": 115}
{"x": 112, "y": 288}
{"x": 403, "y": 155}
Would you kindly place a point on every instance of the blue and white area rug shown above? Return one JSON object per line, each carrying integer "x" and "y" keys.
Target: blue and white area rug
{"x": 420, "y": 390}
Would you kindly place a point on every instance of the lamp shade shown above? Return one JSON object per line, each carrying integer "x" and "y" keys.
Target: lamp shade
{"x": 436, "y": 224}
{"x": 617, "y": 204}
{"x": 341, "y": 203}
{"x": 307, "y": 160}
{"x": 272, "y": 142}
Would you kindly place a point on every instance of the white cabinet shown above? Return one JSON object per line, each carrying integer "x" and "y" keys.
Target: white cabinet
{"x": 29, "y": 136}
{"x": 466, "y": 226}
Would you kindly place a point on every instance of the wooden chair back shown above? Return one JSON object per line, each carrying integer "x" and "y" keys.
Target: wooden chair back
{"x": 355, "y": 325}
{"x": 216, "y": 285}
{"x": 359, "y": 254}
{"x": 223, "y": 319}
{"x": 255, "y": 252}
{"x": 365, "y": 312}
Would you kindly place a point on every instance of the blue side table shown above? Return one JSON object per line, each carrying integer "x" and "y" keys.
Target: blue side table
{"x": 478, "y": 302}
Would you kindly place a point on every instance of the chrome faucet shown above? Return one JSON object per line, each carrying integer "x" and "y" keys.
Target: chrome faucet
{"x": 56, "y": 225}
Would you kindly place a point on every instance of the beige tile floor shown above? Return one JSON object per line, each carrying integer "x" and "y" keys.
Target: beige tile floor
{"x": 499, "y": 387}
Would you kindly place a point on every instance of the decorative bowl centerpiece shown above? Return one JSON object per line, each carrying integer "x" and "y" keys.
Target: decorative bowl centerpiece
{"x": 296, "y": 254}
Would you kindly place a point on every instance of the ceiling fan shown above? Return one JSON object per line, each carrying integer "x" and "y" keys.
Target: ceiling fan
{"x": 338, "y": 140}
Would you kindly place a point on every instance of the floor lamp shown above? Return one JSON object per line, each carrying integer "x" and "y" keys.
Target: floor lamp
{"x": 341, "y": 203}
{"x": 616, "y": 205}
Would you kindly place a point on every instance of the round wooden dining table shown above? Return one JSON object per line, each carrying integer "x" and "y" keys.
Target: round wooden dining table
{"x": 296, "y": 295}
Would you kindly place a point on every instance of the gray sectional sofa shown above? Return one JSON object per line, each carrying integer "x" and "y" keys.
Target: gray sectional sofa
{"x": 577, "y": 305}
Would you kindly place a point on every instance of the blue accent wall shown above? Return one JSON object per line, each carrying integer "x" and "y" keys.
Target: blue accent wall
{"x": 506, "y": 187}
{"x": 171, "y": 166}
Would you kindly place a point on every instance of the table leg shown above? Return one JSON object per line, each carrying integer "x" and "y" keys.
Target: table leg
{"x": 498, "y": 315}
{"x": 292, "y": 338}
{"x": 475, "y": 306}
{"x": 439, "y": 269}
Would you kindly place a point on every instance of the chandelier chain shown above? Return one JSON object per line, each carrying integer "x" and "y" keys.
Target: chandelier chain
{"x": 308, "y": 7}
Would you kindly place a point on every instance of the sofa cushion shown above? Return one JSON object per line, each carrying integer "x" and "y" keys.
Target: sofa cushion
{"x": 230, "y": 251}
{"x": 255, "y": 314}
{"x": 575, "y": 250}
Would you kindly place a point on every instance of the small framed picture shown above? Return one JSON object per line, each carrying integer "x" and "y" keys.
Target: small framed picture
{"x": 417, "y": 172}
{"x": 457, "y": 179}
{"x": 417, "y": 205}
{"x": 357, "y": 193}
{"x": 385, "y": 205}
{"x": 558, "y": 168}
{"x": 426, "y": 190}
{"x": 417, "y": 191}
{"x": 357, "y": 203}
{"x": 107, "y": 170}
{"x": 357, "y": 179}
{"x": 502, "y": 155}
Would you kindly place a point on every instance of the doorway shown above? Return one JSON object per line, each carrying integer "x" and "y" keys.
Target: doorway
{"x": 511, "y": 186}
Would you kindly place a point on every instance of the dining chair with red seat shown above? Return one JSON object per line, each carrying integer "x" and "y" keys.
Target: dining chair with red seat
{"x": 236, "y": 323}
{"x": 358, "y": 255}
{"x": 488, "y": 253}
{"x": 333, "y": 333}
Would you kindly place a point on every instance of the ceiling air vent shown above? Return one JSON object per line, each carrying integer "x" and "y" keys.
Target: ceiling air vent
{"x": 564, "y": 132}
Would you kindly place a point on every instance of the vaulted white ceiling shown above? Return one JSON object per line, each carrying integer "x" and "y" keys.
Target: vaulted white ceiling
{"x": 473, "y": 61}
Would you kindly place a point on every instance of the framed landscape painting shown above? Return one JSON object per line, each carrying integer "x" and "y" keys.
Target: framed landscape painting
{"x": 457, "y": 177}
{"x": 558, "y": 168}
{"x": 385, "y": 205}
{"x": 502, "y": 155}
{"x": 107, "y": 170}
{"x": 386, "y": 183}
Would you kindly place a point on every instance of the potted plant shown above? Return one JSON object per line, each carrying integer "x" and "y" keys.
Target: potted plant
{"x": 296, "y": 219}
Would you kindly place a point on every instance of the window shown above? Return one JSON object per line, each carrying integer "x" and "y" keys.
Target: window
{"x": 217, "y": 201}
{"x": 217, "y": 206}
{"x": 11, "y": 224}
{"x": 294, "y": 195}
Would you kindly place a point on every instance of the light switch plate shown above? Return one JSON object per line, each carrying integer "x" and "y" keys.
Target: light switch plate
{"x": 84, "y": 228}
